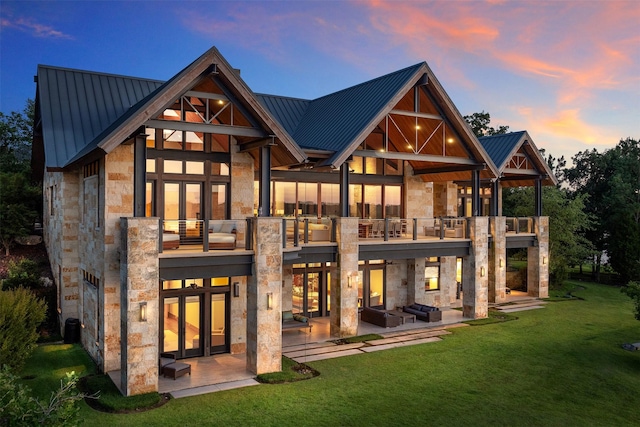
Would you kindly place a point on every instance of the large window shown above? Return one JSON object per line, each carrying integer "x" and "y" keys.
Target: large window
{"x": 465, "y": 195}
{"x": 432, "y": 274}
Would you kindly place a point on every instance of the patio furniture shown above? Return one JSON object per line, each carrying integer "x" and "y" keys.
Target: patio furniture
{"x": 406, "y": 317}
{"x": 424, "y": 312}
{"x": 165, "y": 360}
{"x": 176, "y": 369}
{"x": 294, "y": 321}
{"x": 380, "y": 318}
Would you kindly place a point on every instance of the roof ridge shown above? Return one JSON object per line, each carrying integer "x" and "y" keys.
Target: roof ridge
{"x": 283, "y": 97}
{"x": 98, "y": 73}
{"x": 416, "y": 66}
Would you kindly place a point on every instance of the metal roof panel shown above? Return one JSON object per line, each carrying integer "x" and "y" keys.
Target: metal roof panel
{"x": 499, "y": 147}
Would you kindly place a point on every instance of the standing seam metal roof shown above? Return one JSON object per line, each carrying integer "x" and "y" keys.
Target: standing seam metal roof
{"x": 77, "y": 106}
{"x": 287, "y": 111}
{"x": 499, "y": 147}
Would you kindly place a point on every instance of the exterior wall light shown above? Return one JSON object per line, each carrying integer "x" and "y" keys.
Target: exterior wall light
{"x": 501, "y": 263}
{"x": 236, "y": 289}
{"x": 353, "y": 279}
{"x": 269, "y": 301}
{"x": 483, "y": 272}
{"x": 544, "y": 260}
{"x": 143, "y": 311}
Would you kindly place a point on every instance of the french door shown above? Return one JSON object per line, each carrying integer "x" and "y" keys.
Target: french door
{"x": 311, "y": 293}
{"x": 219, "y": 321}
{"x": 183, "y": 209}
{"x": 182, "y": 326}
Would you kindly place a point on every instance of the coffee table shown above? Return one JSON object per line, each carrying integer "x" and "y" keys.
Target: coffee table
{"x": 406, "y": 317}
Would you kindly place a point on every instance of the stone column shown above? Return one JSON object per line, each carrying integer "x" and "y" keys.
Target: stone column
{"x": 498, "y": 260}
{"x": 139, "y": 278}
{"x": 448, "y": 282}
{"x": 475, "y": 281}
{"x": 264, "y": 323}
{"x": 415, "y": 280}
{"x": 344, "y": 287}
{"x": 538, "y": 260}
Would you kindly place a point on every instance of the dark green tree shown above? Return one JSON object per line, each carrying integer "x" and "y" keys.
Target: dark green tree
{"x": 479, "y": 123}
{"x": 16, "y": 134}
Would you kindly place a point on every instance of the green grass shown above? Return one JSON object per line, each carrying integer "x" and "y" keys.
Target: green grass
{"x": 559, "y": 366}
{"x": 110, "y": 399}
{"x": 494, "y": 316}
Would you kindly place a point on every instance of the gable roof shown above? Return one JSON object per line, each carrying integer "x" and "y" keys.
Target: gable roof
{"x": 77, "y": 106}
{"x": 501, "y": 148}
{"x": 123, "y": 104}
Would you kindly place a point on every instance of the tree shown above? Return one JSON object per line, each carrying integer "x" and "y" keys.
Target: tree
{"x": 16, "y": 133}
{"x": 612, "y": 181}
{"x": 567, "y": 222}
{"x": 632, "y": 290}
{"x": 20, "y": 200}
{"x": 479, "y": 123}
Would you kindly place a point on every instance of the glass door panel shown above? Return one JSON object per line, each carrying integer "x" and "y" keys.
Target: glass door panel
{"x": 219, "y": 331}
{"x": 192, "y": 336}
{"x": 376, "y": 288}
{"x": 297, "y": 293}
{"x": 328, "y": 293}
{"x": 171, "y": 325}
{"x": 313, "y": 295}
{"x": 171, "y": 206}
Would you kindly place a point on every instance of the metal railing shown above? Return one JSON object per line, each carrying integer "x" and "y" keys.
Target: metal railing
{"x": 519, "y": 225}
{"x": 190, "y": 233}
{"x": 296, "y": 231}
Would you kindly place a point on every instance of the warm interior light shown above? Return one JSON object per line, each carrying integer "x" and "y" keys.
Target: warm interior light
{"x": 143, "y": 311}
{"x": 417, "y": 127}
{"x": 220, "y": 101}
{"x": 269, "y": 301}
{"x": 450, "y": 140}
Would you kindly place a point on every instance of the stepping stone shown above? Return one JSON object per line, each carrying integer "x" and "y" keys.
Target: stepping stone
{"x": 412, "y": 337}
{"x": 308, "y": 346}
{"x": 303, "y": 359}
{"x": 399, "y": 344}
{"x": 513, "y": 310}
{"x": 322, "y": 350}
{"x": 456, "y": 325}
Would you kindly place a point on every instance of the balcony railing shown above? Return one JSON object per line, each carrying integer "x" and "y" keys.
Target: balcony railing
{"x": 519, "y": 225}
{"x": 412, "y": 228}
{"x": 189, "y": 234}
{"x": 307, "y": 230}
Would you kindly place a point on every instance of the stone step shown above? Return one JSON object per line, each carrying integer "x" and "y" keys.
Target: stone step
{"x": 456, "y": 325}
{"x": 412, "y": 337}
{"x": 333, "y": 355}
{"x": 513, "y": 310}
{"x": 521, "y": 304}
{"x": 399, "y": 344}
{"x": 297, "y": 347}
{"x": 322, "y": 350}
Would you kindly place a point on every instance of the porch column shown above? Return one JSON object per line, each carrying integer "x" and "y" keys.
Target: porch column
{"x": 538, "y": 260}
{"x": 139, "y": 306}
{"x": 344, "y": 280}
{"x": 475, "y": 271}
{"x": 538, "y": 195}
{"x": 498, "y": 259}
{"x": 495, "y": 192}
{"x": 264, "y": 208}
{"x": 475, "y": 190}
{"x": 344, "y": 190}
{"x": 139, "y": 174}
{"x": 264, "y": 299}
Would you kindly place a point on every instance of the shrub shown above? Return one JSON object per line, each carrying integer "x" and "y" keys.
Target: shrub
{"x": 24, "y": 273}
{"x": 633, "y": 291}
{"x": 20, "y": 314}
{"x": 18, "y": 408}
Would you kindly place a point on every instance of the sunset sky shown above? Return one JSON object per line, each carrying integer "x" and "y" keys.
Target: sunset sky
{"x": 566, "y": 71}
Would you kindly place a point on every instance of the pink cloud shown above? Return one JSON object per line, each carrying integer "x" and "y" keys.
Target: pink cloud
{"x": 34, "y": 28}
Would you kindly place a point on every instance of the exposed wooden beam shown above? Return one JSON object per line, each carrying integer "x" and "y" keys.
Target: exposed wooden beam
{"x": 416, "y": 114}
{"x": 517, "y": 178}
{"x": 530, "y": 172}
{"x": 206, "y": 128}
{"x": 415, "y": 157}
{"x": 206, "y": 95}
{"x": 256, "y": 143}
{"x": 452, "y": 168}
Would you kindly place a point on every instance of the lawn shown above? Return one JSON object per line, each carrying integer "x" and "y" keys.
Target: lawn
{"x": 562, "y": 365}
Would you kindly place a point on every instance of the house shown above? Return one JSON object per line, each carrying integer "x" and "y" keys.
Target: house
{"x": 184, "y": 216}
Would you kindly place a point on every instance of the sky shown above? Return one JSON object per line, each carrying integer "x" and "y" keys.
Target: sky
{"x": 568, "y": 72}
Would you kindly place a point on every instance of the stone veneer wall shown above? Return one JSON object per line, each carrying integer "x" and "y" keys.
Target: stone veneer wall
{"x": 139, "y": 278}
{"x": 287, "y": 288}
{"x": 60, "y": 229}
{"x": 242, "y": 183}
{"x": 476, "y": 286}
{"x": 538, "y": 260}
{"x": 418, "y": 199}
{"x": 117, "y": 203}
{"x": 415, "y": 280}
{"x": 498, "y": 254}
{"x": 445, "y": 199}
{"x": 344, "y": 299}
{"x": 238, "y": 326}
{"x": 397, "y": 284}
{"x": 264, "y": 325}
{"x": 449, "y": 282}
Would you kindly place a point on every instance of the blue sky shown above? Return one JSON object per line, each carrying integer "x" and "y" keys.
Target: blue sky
{"x": 566, "y": 71}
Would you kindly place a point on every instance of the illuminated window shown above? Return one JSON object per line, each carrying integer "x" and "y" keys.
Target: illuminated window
{"x": 432, "y": 274}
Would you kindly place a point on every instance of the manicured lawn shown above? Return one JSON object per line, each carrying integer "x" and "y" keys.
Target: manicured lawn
{"x": 562, "y": 365}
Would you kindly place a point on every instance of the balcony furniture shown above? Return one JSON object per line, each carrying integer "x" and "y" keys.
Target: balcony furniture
{"x": 176, "y": 369}
{"x": 317, "y": 232}
{"x": 380, "y": 318}
{"x": 170, "y": 240}
{"x": 222, "y": 235}
{"x": 424, "y": 312}
{"x": 294, "y": 321}
{"x": 365, "y": 229}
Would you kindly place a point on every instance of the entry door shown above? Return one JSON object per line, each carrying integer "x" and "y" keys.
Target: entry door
{"x": 219, "y": 322}
{"x": 310, "y": 294}
{"x": 371, "y": 289}
{"x": 182, "y": 326}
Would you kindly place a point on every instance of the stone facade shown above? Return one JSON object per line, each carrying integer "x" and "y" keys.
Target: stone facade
{"x": 264, "y": 299}
{"x": 344, "y": 287}
{"x": 498, "y": 260}
{"x": 139, "y": 307}
{"x": 538, "y": 260}
{"x": 475, "y": 271}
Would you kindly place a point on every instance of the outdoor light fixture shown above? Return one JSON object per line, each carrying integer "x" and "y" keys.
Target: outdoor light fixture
{"x": 143, "y": 311}
{"x": 269, "y": 301}
{"x": 353, "y": 278}
{"x": 482, "y": 272}
{"x": 236, "y": 289}
{"x": 501, "y": 263}
{"x": 544, "y": 260}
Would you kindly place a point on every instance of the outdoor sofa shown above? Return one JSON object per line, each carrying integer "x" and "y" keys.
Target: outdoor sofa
{"x": 424, "y": 312}
{"x": 380, "y": 318}
{"x": 294, "y": 321}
